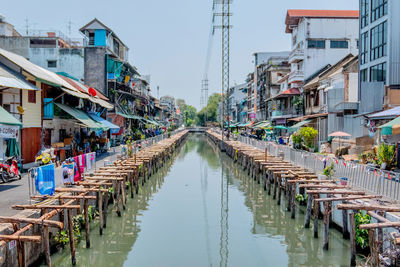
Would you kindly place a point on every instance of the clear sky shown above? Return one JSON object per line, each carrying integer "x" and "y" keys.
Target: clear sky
{"x": 168, "y": 38}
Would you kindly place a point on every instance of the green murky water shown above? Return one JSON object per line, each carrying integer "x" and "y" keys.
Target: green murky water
{"x": 204, "y": 211}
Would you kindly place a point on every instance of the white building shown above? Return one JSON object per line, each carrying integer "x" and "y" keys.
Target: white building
{"x": 319, "y": 37}
{"x": 237, "y": 100}
{"x": 379, "y": 54}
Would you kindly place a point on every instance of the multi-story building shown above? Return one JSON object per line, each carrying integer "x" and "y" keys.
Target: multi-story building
{"x": 319, "y": 37}
{"x": 53, "y": 51}
{"x": 379, "y": 54}
{"x": 237, "y": 99}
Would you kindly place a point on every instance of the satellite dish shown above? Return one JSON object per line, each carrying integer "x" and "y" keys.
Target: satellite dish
{"x": 21, "y": 110}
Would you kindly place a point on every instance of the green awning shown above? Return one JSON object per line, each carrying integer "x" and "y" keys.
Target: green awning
{"x": 387, "y": 128}
{"x": 81, "y": 116}
{"x": 280, "y": 127}
{"x": 262, "y": 124}
{"x": 128, "y": 116}
{"x": 298, "y": 125}
{"x": 7, "y": 118}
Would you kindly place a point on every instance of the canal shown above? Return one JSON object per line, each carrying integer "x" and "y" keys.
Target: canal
{"x": 203, "y": 210}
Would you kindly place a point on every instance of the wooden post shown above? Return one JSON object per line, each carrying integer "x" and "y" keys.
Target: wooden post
{"x": 316, "y": 213}
{"x": 293, "y": 200}
{"x": 279, "y": 189}
{"x": 345, "y": 223}
{"x": 46, "y": 241}
{"x": 62, "y": 212}
{"x": 131, "y": 183}
{"x": 275, "y": 177}
{"x": 373, "y": 248}
{"x": 100, "y": 206}
{"x": 105, "y": 209}
{"x": 87, "y": 223}
{"x": 327, "y": 212}
{"x": 380, "y": 234}
{"x": 123, "y": 193}
{"x": 288, "y": 195}
{"x": 71, "y": 236}
{"x": 117, "y": 188}
{"x": 352, "y": 239}
{"x": 20, "y": 248}
{"x": 308, "y": 211}
{"x": 269, "y": 182}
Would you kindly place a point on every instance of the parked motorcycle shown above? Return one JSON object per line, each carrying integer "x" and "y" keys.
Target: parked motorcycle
{"x": 9, "y": 169}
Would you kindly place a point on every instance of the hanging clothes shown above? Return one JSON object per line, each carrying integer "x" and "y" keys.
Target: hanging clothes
{"x": 77, "y": 174}
{"x": 88, "y": 161}
{"x": 45, "y": 179}
{"x": 68, "y": 172}
{"x": 82, "y": 164}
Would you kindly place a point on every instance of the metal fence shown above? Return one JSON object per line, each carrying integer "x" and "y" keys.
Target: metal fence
{"x": 365, "y": 177}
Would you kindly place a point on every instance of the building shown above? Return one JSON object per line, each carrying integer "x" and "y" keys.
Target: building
{"x": 237, "y": 99}
{"x": 6, "y": 29}
{"x": 319, "y": 38}
{"x": 379, "y": 54}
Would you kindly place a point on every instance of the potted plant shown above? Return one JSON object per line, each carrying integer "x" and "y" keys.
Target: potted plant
{"x": 308, "y": 134}
{"x": 386, "y": 155}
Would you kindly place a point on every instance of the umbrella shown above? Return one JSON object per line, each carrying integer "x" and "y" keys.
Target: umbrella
{"x": 339, "y": 134}
{"x": 12, "y": 148}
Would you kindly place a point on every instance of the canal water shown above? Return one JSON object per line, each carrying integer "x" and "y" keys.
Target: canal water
{"x": 203, "y": 210}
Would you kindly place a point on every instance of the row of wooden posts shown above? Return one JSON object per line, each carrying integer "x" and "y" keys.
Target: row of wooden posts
{"x": 278, "y": 175}
{"x": 94, "y": 187}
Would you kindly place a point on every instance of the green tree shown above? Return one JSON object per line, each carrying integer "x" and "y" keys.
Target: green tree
{"x": 189, "y": 115}
{"x": 209, "y": 113}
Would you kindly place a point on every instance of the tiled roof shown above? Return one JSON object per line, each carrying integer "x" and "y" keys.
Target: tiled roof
{"x": 294, "y": 15}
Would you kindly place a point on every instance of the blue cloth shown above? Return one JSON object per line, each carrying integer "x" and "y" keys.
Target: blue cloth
{"x": 45, "y": 180}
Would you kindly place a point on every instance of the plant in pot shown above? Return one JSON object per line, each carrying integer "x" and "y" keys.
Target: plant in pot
{"x": 308, "y": 134}
{"x": 329, "y": 171}
{"x": 386, "y": 154}
{"x": 297, "y": 140}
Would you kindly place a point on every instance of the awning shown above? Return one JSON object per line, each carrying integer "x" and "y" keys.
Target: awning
{"x": 81, "y": 116}
{"x": 312, "y": 116}
{"x": 298, "y": 125}
{"x": 106, "y": 124}
{"x": 246, "y": 124}
{"x": 392, "y": 127}
{"x": 286, "y": 93}
{"x": 128, "y": 116}
{"x": 261, "y": 124}
{"x": 11, "y": 80}
{"x": 386, "y": 114}
{"x": 7, "y": 118}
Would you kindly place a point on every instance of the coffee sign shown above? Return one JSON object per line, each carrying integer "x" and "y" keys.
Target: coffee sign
{"x": 8, "y": 131}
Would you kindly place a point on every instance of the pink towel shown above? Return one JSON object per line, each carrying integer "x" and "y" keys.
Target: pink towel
{"x": 77, "y": 176}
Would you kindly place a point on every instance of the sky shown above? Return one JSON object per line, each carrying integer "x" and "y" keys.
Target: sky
{"x": 168, "y": 39}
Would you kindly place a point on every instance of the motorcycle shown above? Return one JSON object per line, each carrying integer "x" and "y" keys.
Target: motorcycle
{"x": 9, "y": 169}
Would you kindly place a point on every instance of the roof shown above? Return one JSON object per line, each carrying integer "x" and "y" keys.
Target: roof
{"x": 7, "y": 118}
{"x": 80, "y": 116}
{"x": 312, "y": 116}
{"x": 388, "y": 128}
{"x": 104, "y": 26}
{"x": 288, "y": 92}
{"x": 293, "y": 16}
{"x": 386, "y": 114}
{"x": 11, "y": 80}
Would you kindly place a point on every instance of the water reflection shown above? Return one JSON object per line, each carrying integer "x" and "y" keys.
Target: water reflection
{"x": 205, "y": 211}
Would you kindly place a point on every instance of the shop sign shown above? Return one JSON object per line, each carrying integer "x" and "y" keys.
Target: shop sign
{"x": 252, "y": 115}
{"x": 8, "y": 131}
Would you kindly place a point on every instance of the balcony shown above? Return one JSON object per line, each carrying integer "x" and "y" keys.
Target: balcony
{"x": 296, "y": 76}
{"x": 286, "y": 113}
{"x": 343, "y": 106}
{"x": 296, "y": 55}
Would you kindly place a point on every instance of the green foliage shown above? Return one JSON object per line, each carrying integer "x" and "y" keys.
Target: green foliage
{"x": 308, "y": 134}
{"x": 209, "y": 113}
{"x": 386, "y": 154}
{"x": 361, "y": 234}
{"x": 62, "y": 238}
{"x": 297, "y": 101}
{"x": 329, "y": 171}
{"x": 189, "y": 115}
{"x": 297, "y": 139}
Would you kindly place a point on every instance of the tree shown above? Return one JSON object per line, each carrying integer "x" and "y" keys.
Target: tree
{"x": 189, "y": 115}
{"x": 209, "y": 113}
{"x": 181, "y": 104}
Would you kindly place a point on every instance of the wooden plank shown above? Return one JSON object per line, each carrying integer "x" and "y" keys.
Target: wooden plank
{"x": 4, "y": 219}
{"x": 336, "y": 192}
{"x": 22, "y": 207}
{"x": 379, "y": 225}
{"x": 371, "y": 207}
{"x": 22, "y": 238}
{"x": 347, "y": 198}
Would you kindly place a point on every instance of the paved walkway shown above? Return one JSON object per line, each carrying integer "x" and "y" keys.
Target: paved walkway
{"x": 17, "y": 192}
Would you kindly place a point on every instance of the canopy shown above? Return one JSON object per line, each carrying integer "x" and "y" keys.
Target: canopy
{"x": 234, "y": 125}
{"x": 261, "y": 124}
{"x": 128, "y": 116}
{"x": 298, "y": 125}
{"x": 280, "y": 127}
{"x": 106, "y": 124}
{"x": 7, "y": 118}
{"x": 392, "y": 127}
{"x": 246, "y": 124}
{"x": 11, "y": 80}
{"x": 339, "y": 134}
{"x": 81, "y": 116}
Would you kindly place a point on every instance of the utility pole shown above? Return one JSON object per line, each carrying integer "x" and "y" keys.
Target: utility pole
{"x": 158, "y": 92}
{"x": 225, "y": 27}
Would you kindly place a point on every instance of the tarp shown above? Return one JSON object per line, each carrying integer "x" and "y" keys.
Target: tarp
{"x": 298, "y": 125}
{"x": 45, "y": 179}
{"x": 386, "y": 114}
{"x": 106, "y": 124}
{"x": 81, "y": 116}
{"x": 7, "y": 118}
{"x": 392, "y": 127}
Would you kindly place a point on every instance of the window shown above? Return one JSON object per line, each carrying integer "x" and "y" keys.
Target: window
{"x": 378, "y": 41}
{"x": 43, "y": 43}
{"x": 91, "y": 38}
{"x": 52, "y": 63}
{"x": 364, "y": 8}
{"x": 378, "y": 73}
{"x": 379, "y": 9}
{"x": 364, "y": 48}
{"x": 364, "y": 75}
{"x": 316, "y": 44}
{"x": 339, "y": 44}
{"x": 116, "y": 47}
{"x": 32, "y": 96}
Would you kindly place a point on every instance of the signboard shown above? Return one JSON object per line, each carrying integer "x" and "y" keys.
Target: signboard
{"x": 8, "y": 131}
{"x": 12, "y": 244}
{"x": 252, "y": 115}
